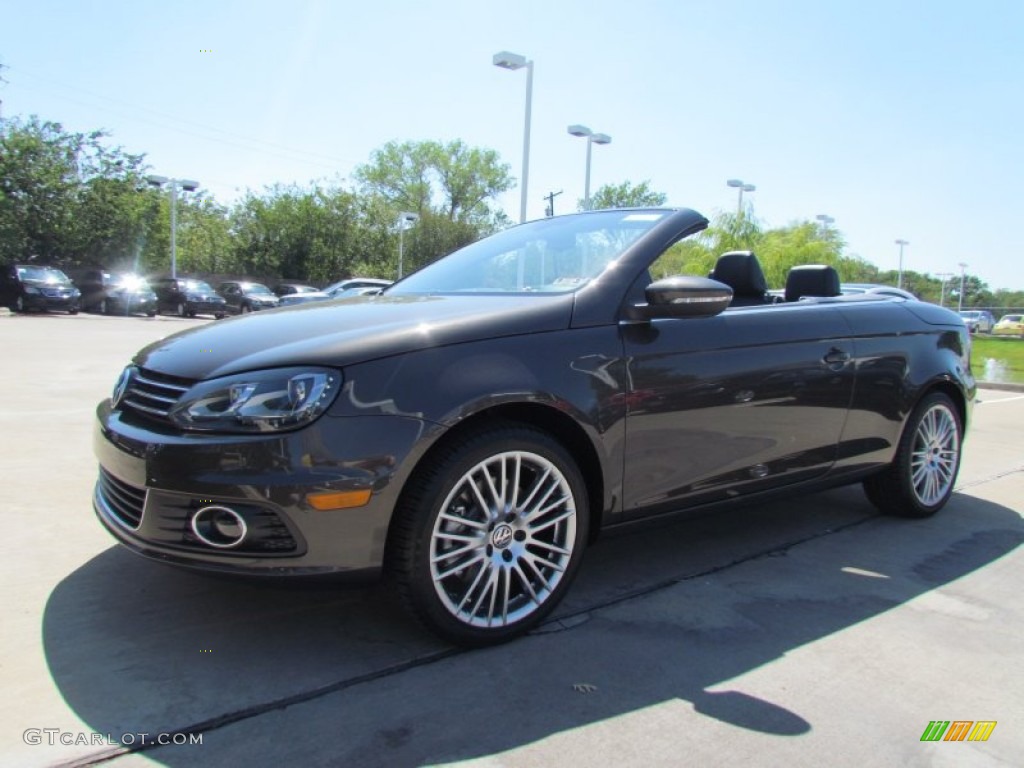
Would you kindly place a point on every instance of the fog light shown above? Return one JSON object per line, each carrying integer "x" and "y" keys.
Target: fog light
{"x": 219, "y": 527}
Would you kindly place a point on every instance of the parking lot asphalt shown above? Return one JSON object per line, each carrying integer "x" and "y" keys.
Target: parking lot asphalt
{"x": 809, "y": 632}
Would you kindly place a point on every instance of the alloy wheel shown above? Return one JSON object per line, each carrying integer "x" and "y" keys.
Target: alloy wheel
{"x": 503, "y": 539}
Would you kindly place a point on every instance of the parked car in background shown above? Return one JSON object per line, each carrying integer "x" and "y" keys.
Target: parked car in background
{"x": 115, "y": 293}
{"x": 27, "y": 286}
{"x": 882, "y": 290}
{"x": 188, "y": 297}
{"x": 290, "y": 289}
{"x": 243, "y": 297}
{"x": 476, "y": 426}
{"x": 978, "y": 320}
{"x": 353, "y": 286}
{"x": 1009, "y": 325}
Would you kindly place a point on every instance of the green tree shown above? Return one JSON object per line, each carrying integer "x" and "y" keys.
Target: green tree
{"x": 66, "y": 197}
{"x": 624, "y": 195}
{"x": 453, "y": 179}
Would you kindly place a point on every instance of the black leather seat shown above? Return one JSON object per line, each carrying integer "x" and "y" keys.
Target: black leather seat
{"x": 812, "y": 280}
{"x": 741, "y": 271}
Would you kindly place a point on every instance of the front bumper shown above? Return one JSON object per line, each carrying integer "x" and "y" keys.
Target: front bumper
{"x": 206, "y": 307}
{"x": 133, "y": 304}
{"x": 51, "y": 303}
{"x": 153, "y": 483}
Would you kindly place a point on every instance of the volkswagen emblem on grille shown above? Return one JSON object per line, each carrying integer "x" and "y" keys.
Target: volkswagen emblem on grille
{"x": 122, "y": 385}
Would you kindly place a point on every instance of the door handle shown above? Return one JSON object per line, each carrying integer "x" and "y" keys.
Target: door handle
{"x": 837, "y": 356}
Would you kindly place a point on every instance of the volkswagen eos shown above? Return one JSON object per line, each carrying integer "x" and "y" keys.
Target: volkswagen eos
{"x": 473, "y": 428}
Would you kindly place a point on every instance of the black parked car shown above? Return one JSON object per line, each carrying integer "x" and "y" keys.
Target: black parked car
{"x": 476, "y": 425}
{"x": 27, "y": 286}
{"x": 188, "y": 297}
{"x": 292, "y": 289}
{"x": 244, "y": 297}
{"x": 115, "y": 293}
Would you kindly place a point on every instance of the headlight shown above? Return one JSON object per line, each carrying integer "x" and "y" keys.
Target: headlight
{"x": 31, "y": 290}
{"x": 263, "y": 401}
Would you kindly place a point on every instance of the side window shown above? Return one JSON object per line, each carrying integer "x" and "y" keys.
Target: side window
{"x": 687, "y": 257}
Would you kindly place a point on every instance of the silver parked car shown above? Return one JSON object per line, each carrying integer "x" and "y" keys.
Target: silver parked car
{"x": 978, "y": 320}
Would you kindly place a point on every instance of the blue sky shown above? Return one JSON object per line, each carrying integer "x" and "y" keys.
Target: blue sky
{"x": 900, "y": 119}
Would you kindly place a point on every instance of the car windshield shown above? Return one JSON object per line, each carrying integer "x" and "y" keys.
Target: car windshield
{"x": 199, "y": 286}
{"x": 556, "y": 255}
{"x": 257, "y": 288}
{"x": 42, "y": 274}
{"x": 970, "y": 315}
{"x": 131, "y": 282}
{"x": 1012, "y": 318}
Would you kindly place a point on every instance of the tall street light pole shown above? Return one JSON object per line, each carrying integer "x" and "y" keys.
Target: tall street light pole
{"x": 186, "y": 185}
{"x": 962, "y": 266}
{"x": 943, "y": 276}
{"x": 592, "y": 138}
{"x": 742, "y": 187}
{"x": 899, "y": 279}
{"x": 508, "y": 60}
{"x": 406, "y": 219}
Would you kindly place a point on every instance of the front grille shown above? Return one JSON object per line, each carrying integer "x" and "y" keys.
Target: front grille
{"x": 125, "y": 502}
{"x": 153, "y": 394}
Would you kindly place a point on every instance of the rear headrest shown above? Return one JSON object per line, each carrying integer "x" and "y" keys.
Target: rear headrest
{"x": 812, "y": 280}
{"x": 741, "y": 271}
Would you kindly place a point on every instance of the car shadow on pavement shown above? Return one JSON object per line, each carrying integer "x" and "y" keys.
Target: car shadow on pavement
{"x": 135, "y": 647}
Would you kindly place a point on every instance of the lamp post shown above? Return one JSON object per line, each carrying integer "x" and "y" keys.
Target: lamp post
{"x": 405, "y": 220}
{"x": 943, "y": 276}
{"x": 581, "y": 131}
{"x": 899, "y": 279}
{"x": 508, "y": 60}
{"x": 960, "y": 305}
{"x": 740, "y": 185}
{"x": 187, "y": 185}
{"x": 825, "y": 220}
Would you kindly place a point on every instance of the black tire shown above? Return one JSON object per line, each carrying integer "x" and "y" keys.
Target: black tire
{"x": 73, "y": 311}
{"x": 246, "y": 309}
{"x": 104, "y": 307}
{"x": 180, "y": 310}
{"x": 151, "y": 313}
{"x": 489, "y": 560}
{"x": 218, "y": 315}
{"x": 923, "y": 473}
{"x": 18, "y": 305}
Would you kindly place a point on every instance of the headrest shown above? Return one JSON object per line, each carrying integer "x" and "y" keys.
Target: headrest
{"x": 741, "y": 271}
{"x": 812, "y": 280}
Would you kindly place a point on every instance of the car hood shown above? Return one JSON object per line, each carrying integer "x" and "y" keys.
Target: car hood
{"x": 349, "y": 331}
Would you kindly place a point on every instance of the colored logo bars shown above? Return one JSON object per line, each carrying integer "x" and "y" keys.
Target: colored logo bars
{"x": 958, "y": 730}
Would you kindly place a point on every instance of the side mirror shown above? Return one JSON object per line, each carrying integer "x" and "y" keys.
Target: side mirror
{"x": 682, "y": 296}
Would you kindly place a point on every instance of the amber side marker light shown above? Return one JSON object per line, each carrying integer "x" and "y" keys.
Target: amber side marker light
{"x": 338, "y": 499}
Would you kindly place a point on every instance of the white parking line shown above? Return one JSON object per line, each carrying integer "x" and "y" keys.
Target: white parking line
{"x": 1010, "y": 399}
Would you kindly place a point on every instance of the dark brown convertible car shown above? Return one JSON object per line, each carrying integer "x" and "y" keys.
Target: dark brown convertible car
{"x": 471, "y": 429}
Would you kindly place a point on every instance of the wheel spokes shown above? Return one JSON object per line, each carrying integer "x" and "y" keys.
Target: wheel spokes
{"x": 934, "y": 457}
{"x": 503, "y": 539}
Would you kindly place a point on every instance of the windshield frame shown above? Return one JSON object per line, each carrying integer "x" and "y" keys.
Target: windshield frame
{"x": 547, "y": 257}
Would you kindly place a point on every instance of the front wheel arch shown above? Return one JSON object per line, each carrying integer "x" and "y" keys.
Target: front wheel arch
{"x": 557, "y": 424}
